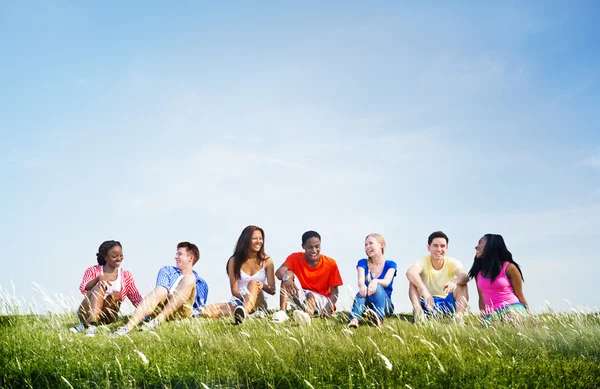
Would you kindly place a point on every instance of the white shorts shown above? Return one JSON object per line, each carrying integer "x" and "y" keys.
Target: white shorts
{"x": 321, "y": 300}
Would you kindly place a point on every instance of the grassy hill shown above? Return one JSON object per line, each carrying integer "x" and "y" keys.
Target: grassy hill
{"x": 550, "y": 350}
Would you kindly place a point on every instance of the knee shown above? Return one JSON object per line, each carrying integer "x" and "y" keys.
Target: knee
{"x": 462, "y": 291}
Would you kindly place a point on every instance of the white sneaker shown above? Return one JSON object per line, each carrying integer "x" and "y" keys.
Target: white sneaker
{"x": 151, "y": 325}
{"x": 239, "y": 315}
{"x": 419, "y": 317}
{"x": 459, "y": 320}
{"x": 353, "y": 323}
{"x": 120, "y": 332}
{"x": 302, "y": 317}
{"x": 259, "y": 314}
{"x": 77, "y": 329}
{"x": 91, "y": 331}
{"x": 280, "y": 317}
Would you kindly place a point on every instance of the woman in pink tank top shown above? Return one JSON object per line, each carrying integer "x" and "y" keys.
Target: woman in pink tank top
{"x": 499, "y": 282}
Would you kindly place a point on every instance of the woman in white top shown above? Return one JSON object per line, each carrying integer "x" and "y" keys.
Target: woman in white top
{"x": 251, "y": 275}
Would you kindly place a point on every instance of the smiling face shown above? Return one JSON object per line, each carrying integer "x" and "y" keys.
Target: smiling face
{"x": 182, "y": 256}
{"x": 373, "y": 247}
{"x": 257, "y": 241}
{"x": 438, "y": 248}
{"x": 114, "y": 257}
{"x": 480, "y": 246}
{"x": 312, "y": 249}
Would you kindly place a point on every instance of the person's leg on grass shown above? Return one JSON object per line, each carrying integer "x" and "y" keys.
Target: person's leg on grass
{"x": 461, "y": 298}
{"x": 110, "y": 309}
{"x": 251, "y": 297}
{"x": 147, "y": 306}
{"x": 180, "y": 295}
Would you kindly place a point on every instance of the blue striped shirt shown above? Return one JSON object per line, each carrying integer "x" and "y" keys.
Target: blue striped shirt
{"x": 167, "y": 276}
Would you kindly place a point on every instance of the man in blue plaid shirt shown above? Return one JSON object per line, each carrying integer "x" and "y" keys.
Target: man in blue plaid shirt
{"x": 179, "y": 292}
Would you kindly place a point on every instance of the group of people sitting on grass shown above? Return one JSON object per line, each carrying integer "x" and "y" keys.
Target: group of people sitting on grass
{"x": 310, "y": 284}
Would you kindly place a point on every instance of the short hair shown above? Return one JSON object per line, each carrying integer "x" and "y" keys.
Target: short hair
{"x": 191, "y": 248}
{"x": 437, "y": 234}
{"x": 104, "y": 249}
{"x": 310, "y": 234}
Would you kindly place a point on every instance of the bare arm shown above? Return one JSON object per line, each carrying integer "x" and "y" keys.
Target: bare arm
{"x": 362, "y": 287}
{"x": 461, "y": 279}
{"x": 233, "y": 282}
{"x": 282, "y": 271}
{"x": 415, "y": 278}
{"x": 333, "y": 297}
{"x": 289, "y": 286}
{"x": 270, "y": 288}
{"x": 481, "y": 302}
{"x": 517, "y": 283}
{"x": 389, "y": 276}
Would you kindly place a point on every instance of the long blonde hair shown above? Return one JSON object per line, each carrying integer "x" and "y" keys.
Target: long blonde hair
{"x": 379, "y": 239}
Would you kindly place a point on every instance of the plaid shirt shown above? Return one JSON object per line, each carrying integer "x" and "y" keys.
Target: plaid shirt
{"x": 128, "y": 288}
{"x": 167, "y": 276}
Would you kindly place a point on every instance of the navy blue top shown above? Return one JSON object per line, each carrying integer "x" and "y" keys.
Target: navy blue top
{"x": 386, "y": 266}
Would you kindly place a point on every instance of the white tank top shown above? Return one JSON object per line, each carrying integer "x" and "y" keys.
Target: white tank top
{"x": 116, "y": 285}
{"x": 245, "y": 279}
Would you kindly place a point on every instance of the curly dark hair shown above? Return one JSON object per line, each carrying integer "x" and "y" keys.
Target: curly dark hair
{"x": 104, "y": 249}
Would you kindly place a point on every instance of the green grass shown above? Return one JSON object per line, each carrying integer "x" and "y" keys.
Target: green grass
{"x": 550, "y": 350}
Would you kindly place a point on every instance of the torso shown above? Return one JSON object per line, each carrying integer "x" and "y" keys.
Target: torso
{"x": 499, "y": 293}
{"x": 376, "y": 270}
{"x": 251, "y": 270}
{"x": 115, "y": 278}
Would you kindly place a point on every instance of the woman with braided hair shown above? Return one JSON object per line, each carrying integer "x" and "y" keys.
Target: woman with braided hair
{"x": 105, "y": 287}
{"x": 376, "y": 275}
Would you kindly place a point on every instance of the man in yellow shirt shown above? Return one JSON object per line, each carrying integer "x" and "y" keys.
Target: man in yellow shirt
{"x": 438, "y": 284}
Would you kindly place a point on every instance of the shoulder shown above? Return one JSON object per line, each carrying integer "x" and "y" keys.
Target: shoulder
{"x": 362, "y": 263}
{"x": 453, "y": 262}
{"x": 423, "y": 261}
{"x": 93, "y": 269}
{"x": 295, "y": 257}
{"x": 390, "y": 264}
{"x": 328, "y": 261}
{"x": 168, "y": 269}
{"x": 268, "y": 260}
{"x": 198, "y": 278}
{"x": 510, "y": 267}
{"x": 127, "y": 274}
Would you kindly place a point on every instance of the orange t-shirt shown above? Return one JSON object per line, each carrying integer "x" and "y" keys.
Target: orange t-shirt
{"x": 320, "y": 278}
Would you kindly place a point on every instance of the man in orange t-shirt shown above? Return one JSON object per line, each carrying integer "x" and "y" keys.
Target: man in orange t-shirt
{"x": 310, "y": 279}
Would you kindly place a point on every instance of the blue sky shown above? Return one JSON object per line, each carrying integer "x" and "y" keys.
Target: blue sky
{"x": 152, "y": 124}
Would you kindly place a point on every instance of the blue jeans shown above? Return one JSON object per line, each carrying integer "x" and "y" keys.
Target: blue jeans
{"x": 443, "y": 306}
{"x": 378, "y": 301}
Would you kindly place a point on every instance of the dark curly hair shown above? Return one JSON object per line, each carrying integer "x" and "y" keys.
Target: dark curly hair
{"x": 104, "y": 249}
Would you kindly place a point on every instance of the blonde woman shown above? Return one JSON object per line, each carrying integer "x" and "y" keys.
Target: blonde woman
{"x": 375, "y": 280}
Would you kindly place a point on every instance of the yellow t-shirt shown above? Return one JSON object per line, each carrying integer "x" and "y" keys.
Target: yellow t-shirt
{"x": 435, "y": 280}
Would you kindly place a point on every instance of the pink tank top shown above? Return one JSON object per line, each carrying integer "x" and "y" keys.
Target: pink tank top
{"x": 497, "y": 294}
